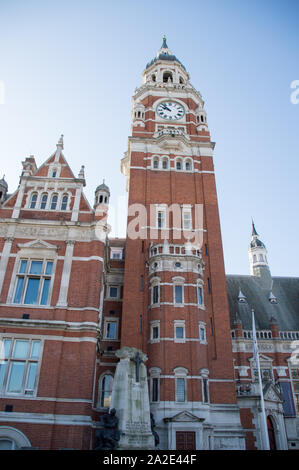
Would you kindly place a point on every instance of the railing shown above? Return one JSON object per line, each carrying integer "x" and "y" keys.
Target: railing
{"x": 289, "y": 334}
{"x": 174, "y": 250}
{"x": 267, "y": 334}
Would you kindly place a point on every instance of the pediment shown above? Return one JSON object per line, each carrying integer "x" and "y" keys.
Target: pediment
{"x": 37, "y": 244}
{"x": 271, "y": 393}
{"x": 183, "y": 417}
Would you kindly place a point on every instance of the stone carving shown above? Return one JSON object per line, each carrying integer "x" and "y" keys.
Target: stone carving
{"x": 107, "y": 438}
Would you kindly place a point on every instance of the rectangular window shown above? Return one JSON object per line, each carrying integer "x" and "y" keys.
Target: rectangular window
{"x": 113, "y": 292}
{"x": 155, "y": 332}
{"x": 111, "y": 328}
{"x": 180, "y": 390}
{"x": 18, "y": 365}
{"x": 33, "y": 282}
{"x": 187, "y": 219}
{"x": 161, "y": 219}
{"x": 155, "y": 389}
{"x": 202, "y": 333}
{"x": 288, "y": 402}
{"x": 205, "y": 391}
{"x": 178, "y": 294}
{"x": 199, "y": 295}
{"x": 179, "y": 332}
{"x": 156, "y": 294}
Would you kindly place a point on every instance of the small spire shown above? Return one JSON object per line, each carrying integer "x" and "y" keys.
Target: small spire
{"x": 60, "y": 142}
{"x": 81, "y": 173}
{"x": 254, "y": 232}
{"x": 164, "y": 44}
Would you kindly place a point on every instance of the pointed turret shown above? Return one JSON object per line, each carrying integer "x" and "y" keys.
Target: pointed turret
{"x": 258, "y": 255}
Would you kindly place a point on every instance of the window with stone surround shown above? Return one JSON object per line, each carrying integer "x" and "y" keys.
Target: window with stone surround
{"x": 155, "y": 373}
{"x": 110, "y": 328}
{"x": 105, "y": 390}
{"x": 19, "y": 365}
{"x": 33, "y": 282}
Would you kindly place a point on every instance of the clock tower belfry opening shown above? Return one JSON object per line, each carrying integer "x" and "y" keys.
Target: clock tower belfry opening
{"x": 175, "y": 308}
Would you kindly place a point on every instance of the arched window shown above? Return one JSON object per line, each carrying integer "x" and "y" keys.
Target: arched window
{"x": 156, "y": 163}
{"x": 33, "y": 200}
{"x": 261, "y": 258}
{"x": 165, "y": 164}
{"x": 181, "y": 80}
{"x": 201, "y": 118}
{"x": 153, "y": 77}
{"x": 254, "y": 258}
{"x": 188, "y": 165}
{"x": 64, "y": 202}
{"x": 8, "y": 444}
{"x": 167, "y": 77}
{"x": 54, "y": 173}
{"x": 179, "y": 164}
{"x": 105, "y": 391}
{"x": 101, "y": 198}
{"x": 54, "y": 200}
{"x": 43, "y": 201}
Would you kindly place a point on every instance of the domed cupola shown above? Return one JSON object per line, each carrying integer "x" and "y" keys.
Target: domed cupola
{"x": 164, "y": 53}
{"x": 165, "y": 68}
{"x": 3, "y": 189}
{"x": 102, "y": 195}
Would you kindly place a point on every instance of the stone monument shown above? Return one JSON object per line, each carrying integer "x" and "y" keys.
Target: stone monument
{"x": 131, "y": 400}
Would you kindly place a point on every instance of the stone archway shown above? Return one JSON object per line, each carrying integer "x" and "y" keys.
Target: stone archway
{"x": 271, "y": 433}
{"x": 13, "y": 438}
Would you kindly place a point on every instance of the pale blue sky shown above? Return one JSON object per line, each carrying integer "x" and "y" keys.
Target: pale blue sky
{"x": 71, "y": 67}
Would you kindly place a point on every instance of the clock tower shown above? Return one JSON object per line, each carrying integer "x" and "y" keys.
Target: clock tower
{"x": 175, "y": 307}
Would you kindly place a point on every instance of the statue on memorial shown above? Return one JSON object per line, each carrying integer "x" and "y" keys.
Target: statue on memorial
{"x": 107, "y": 438}
{"x": 155, "y": 434}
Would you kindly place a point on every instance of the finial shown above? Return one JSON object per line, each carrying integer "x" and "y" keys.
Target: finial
{"x": 254, "y": 232}
{"x": 164, "y": 44}
{"x": 81, "y": 173}
{"x": 60, "y": 142}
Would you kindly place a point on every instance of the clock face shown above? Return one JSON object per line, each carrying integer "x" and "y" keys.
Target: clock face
{"x": 170, "y": 110}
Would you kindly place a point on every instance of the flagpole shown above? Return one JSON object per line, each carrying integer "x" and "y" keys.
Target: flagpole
{"x": 257, "y": 363}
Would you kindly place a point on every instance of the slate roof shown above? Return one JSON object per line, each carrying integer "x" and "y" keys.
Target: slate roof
{"x": 257, "y": 292}
{"x": 163, "y": 54}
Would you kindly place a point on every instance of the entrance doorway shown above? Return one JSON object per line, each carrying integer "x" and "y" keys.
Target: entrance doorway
{"x": 271, "y": 433}
{"x": 185, "y": 440}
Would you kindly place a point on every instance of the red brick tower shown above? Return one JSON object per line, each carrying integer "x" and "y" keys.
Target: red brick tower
{"x": 175, "y": 301}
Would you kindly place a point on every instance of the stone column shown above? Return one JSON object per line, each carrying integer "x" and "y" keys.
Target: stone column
{"x": 4, "y": 259}
{"x": 66, "y": 273}
{"x": 130, "y": 399}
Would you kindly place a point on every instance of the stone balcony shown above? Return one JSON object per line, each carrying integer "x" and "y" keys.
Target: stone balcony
{"x": 174, "y": 250}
